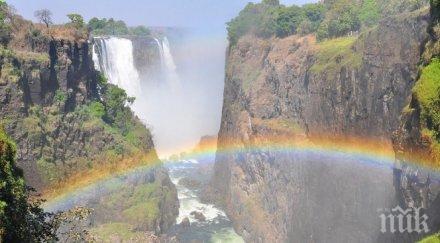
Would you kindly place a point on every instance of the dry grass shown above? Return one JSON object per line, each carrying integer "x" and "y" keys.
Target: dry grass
{"x": 64, "y": 32}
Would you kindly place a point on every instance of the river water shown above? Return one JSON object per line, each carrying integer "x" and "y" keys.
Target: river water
{"x": 190, "y": 176}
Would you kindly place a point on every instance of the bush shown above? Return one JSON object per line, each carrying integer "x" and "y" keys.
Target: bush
{"x": 427, "y": 90}
{"x": 269, "y": 18}
{"x": 315, "y": 14}
{"x": 140, "y": 31}
{"x": 97, "y": 109}
{"x": 115, "y": 27}
{"x": 287, "y": 20}
{"x": 117, "y": 113}
{"x": 76, "y": 20}
{"x": 20, "y": 220}
{"x": 369, "y": 14}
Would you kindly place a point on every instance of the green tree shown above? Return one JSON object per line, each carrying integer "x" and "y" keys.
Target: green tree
{"x": 287, "y": 20}
{"x": 140, "y": 31}
{"x": 370, "y": 13}
{"x": 95, "y": 24}
{"x": 117, "y": 112}
{"x": 20, "y": 220}
{"x": 76, "y": 20}
{"x": 315, "y": 14}
{"x": 306, "y": 27}
{"x": 342, "y": 18}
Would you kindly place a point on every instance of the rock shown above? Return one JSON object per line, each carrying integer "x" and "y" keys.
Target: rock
{"x": 199, "y": 216}
{"x": 270, "y": 84}
{"x": 185, "y": 223}
{"x": 190, "y": 183}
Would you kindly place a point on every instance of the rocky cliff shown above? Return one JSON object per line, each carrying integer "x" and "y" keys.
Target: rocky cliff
{"x": 354, "y": 86}
{"x": 66, "y": 119}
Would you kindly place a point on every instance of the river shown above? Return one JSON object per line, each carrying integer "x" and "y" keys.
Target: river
{"x": 190, "y": 176}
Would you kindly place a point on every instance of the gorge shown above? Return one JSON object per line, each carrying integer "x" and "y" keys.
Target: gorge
{"x": 326, "y": 127}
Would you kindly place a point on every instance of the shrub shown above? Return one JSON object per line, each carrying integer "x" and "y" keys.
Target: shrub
{"x": 20, "y": 220}
{"x": 60, "y": 97}
{"x": 269, "y": 18}
{"x": 427, "y": 90}
{"x": 140, "y": 31}
{"x": 114, "y": 27}
{"x": 97, "y": 109}
{"x": 369, "y": 14}
{"x": 287, "y": 20}
{"x": 76, "y": 20}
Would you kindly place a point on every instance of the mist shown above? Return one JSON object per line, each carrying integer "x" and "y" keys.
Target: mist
{"x": 182, "y": 101}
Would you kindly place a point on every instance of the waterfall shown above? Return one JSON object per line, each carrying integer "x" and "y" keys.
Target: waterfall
{"x": 159, "y": 47}
{"x": 114, "y": 57}
{"x": 169, "y": 68}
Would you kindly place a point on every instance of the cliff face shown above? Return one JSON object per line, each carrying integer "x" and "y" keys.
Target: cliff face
{"x": 349, "y": 87}
{"x": 65, "y": 118}
{"x": 58, "y": 66}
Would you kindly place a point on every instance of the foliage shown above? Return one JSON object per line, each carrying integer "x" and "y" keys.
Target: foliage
{"x": 102, "y": 80}
{"x": 269, "y": 18}
{"x": 431, "y": 239}
{"x": 60, "y": 97}
{"x": 370, "y": 13}
{"x": 44, "y": 16}
{"x": 334, "y": 53}
{"x": 341, "y": 19}
{"x": 115, "y": 101}
{"x": 314, "y": 15}
{"x": 140, "y": 31}
{"x": 327, "y": 19}
{"x": 107, "y": 232}
{"x": 254, "y": 18}
{"x": 97, "y": 109}
{"x": 287, "y": 20}
{"x": 5, "y": 27}
{"x": 76, "y": 20}
{"x": 20, "y": 219}
{"x": 427, "y": 90}
{"x": 115, "y": 27}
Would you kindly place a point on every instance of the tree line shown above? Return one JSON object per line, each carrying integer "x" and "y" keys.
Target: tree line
{"x": 327, "y": 19}
{"x": 95, "y": 25}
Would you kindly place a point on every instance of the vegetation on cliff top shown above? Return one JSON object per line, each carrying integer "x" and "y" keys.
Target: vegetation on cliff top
{"x": 330, "y": 19}
{"x": 335, "y": 53}
{"x": 115, "y": 27}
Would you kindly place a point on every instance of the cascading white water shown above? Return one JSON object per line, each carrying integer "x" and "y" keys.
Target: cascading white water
{"x": 168, "y": 65}
{"x": 114, "y": 57}
{"x": 159, "y": 47}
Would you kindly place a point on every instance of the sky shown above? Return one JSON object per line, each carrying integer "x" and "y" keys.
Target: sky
{"x": 204, "y": 14}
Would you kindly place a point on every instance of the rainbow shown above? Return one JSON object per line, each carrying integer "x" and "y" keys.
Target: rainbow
{"x": 369, "y": 152}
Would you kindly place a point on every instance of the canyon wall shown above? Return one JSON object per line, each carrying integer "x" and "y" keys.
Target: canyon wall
{"x": 354, "y": 86}
{"x": 65, "y": 117}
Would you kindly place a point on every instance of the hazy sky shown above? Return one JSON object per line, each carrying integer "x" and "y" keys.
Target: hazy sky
{"x": 203, "y": 14}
